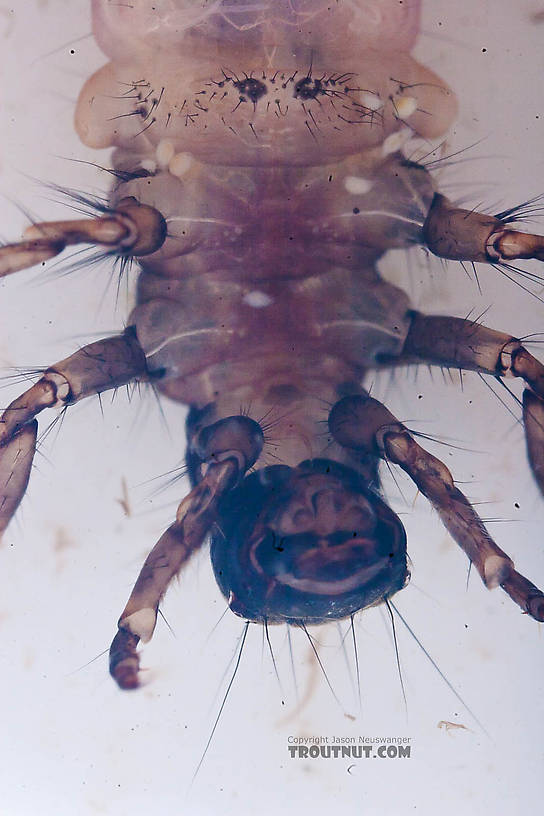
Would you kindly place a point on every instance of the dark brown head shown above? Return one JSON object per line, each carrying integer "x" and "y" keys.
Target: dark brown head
{"x": 306, "y": 545}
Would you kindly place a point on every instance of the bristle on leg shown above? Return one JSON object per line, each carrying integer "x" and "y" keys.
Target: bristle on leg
{"x": 130, "y": 229}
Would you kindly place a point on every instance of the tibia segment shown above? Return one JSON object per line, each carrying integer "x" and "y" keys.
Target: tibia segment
{"x": 363, "y": 423}
{"x": 15, "y": 466}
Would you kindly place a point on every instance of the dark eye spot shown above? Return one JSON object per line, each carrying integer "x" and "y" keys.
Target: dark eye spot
{"x": 253, "y": 89}
{"x": 308, "y": 88}
{"x": 278, "y": 545}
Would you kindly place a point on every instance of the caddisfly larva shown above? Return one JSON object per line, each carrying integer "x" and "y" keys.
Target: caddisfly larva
{"x": 305, "y": 116}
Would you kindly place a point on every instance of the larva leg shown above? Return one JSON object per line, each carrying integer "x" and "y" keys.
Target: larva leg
{"x": 15, "y": 465}
{"x": 94, "y": 368}
{"x": 465, "y": 235}
{"x": 194, "y": 518}
{"x": 364, "y": 424}
{"x": 226, "y": 450}
{"x": 465, "y": 344}
{"x": 131, "y": 228}
{"x": 533, "y": 420}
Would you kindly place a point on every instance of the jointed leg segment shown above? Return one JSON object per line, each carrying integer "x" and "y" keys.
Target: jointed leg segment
{"x": 195, "y": 516}
{"x": 465, "y": 344}
{"x": 15, "y": 465}
{"x": 226, "y": 450}
{"x": 132, "y": 228}
{"x": 95, "y": 368}
{"x": 466, "y": 235}
{"x": 363, "y": 423}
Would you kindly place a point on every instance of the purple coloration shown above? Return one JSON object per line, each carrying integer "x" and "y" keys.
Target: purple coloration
{"x": 261, "y": 175}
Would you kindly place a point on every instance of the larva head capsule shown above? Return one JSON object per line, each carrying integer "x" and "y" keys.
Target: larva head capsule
{"x": 306, "y": 545}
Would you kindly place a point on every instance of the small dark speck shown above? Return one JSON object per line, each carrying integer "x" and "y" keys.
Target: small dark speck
{"x": 484, "y": 50}
{"x": 516, "y": 505}
{"x": 356, "y": 211}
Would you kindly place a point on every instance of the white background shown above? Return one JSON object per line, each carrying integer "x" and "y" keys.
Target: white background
{"x": 69, "y": 740}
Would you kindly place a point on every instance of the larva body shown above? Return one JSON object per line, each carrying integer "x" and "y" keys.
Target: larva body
{"x": 276, "y": 183}
{"x": 252, "y": 394}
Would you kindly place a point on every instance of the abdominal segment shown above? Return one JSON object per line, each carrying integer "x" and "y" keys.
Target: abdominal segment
{"x": 266, "y": 269}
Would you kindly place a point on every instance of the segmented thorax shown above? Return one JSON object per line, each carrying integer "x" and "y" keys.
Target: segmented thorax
{"x": 267, "y": 134}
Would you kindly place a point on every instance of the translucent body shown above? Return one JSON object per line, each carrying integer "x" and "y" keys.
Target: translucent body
{"x": 99, "y": 572}
{"x": 267, "y": 95}
{"x": 120, "y": 28}
{"x": 268, "y": 136}
{"x": 248, "y": 276}
{"x": 275, "y": 166}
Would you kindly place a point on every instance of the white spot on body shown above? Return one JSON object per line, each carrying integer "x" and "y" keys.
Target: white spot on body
{"x": 258, "y": 300}
{"x": 371, "y": 101}
{"x": 150, "y": 165}
{"x": 395, "y": 141}
{"x": 179, "y": 164}
{"x": 141, "y": 623}
{"x": 405, "y": 106}
{"x": 357, "y": 185}
{"x": 165, "y": 152}
{"x": 496, "y": 568}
